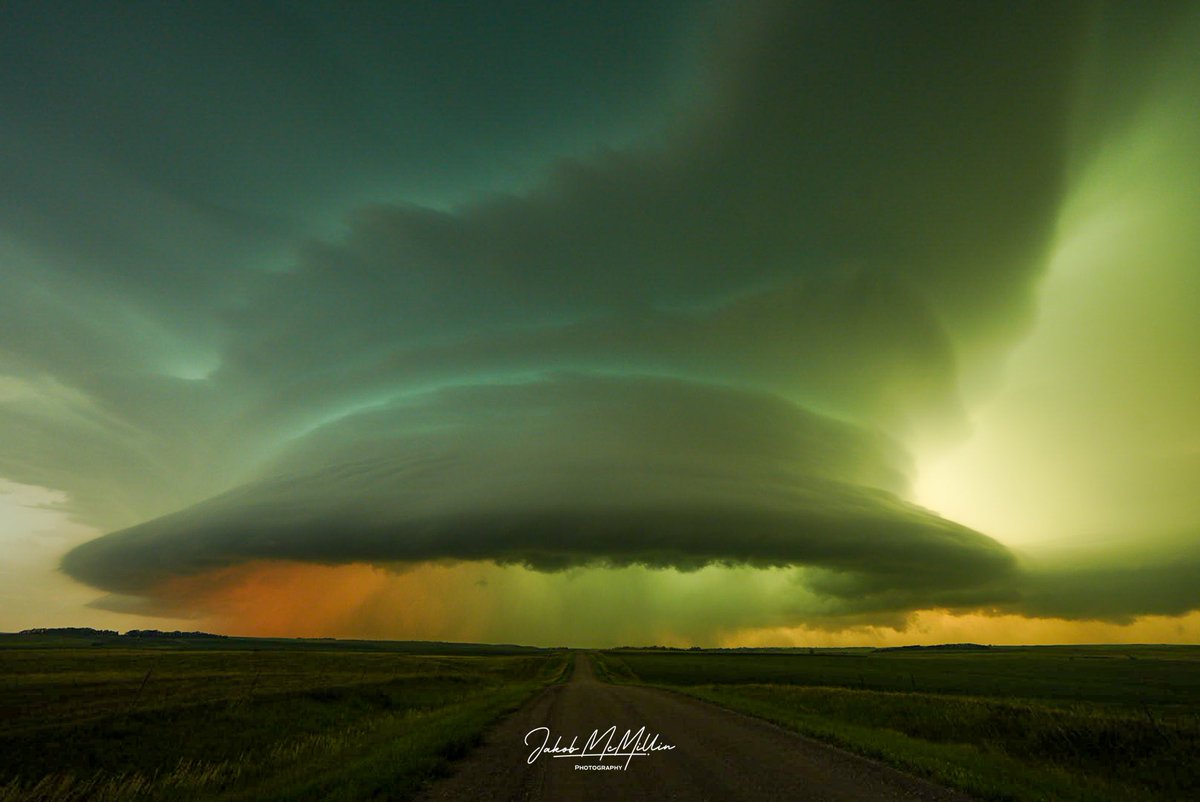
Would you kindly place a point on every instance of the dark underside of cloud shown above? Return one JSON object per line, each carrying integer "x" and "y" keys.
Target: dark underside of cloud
{"x": 576, "y": 472}
{"x": 1159, "y": 577}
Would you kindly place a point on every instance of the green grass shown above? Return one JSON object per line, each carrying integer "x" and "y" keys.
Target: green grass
{"x": 167, "y": 724}
{"x": 1079, "y": 723}
{"x": 1158, "y": 676}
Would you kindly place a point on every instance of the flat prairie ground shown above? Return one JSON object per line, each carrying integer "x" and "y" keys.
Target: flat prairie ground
{"x": 242, "y": 719}
{"x": 1003, "y": 723}
{"x": 246, "y": 720}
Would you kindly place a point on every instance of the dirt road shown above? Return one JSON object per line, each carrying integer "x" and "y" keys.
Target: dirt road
{"x": 718, "y": 755}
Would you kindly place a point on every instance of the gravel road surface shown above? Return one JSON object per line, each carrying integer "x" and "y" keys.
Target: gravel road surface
{"x": 719, "y": 755}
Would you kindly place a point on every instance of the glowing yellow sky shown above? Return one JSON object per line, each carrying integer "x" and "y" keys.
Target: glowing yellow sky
{"x": 1093, "y": 434}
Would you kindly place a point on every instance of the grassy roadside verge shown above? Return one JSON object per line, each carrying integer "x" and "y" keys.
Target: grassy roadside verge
{"x": 995, "y": 748}
{"x": 344, "y": 727}
{"x": 400, "y": 757}
{"x": 394, "y": 760}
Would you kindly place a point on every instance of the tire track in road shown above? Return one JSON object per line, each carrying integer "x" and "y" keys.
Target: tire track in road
{"x": 719, "y": 755}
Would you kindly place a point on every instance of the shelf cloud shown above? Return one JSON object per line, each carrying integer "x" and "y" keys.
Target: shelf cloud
{"x": 691, "y": 289}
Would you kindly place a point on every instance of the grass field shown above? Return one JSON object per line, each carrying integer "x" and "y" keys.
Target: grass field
{"x": 238, "y": 719}
{"x": 108, "y": 718}
{"x": 1036, "y": 723}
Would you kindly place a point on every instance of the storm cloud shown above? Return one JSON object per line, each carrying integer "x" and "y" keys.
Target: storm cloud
{"x": 690, "y": 288}
{"x": 573, "y": 472}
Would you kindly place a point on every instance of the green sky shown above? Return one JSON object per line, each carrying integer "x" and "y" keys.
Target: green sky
{"x": 510, "y": 321}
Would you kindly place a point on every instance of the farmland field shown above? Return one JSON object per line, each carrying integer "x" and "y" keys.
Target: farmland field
{"x": 1104, "y": 722}
{"x": 246, "y": 719}
{"x": 114, "y": 718}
